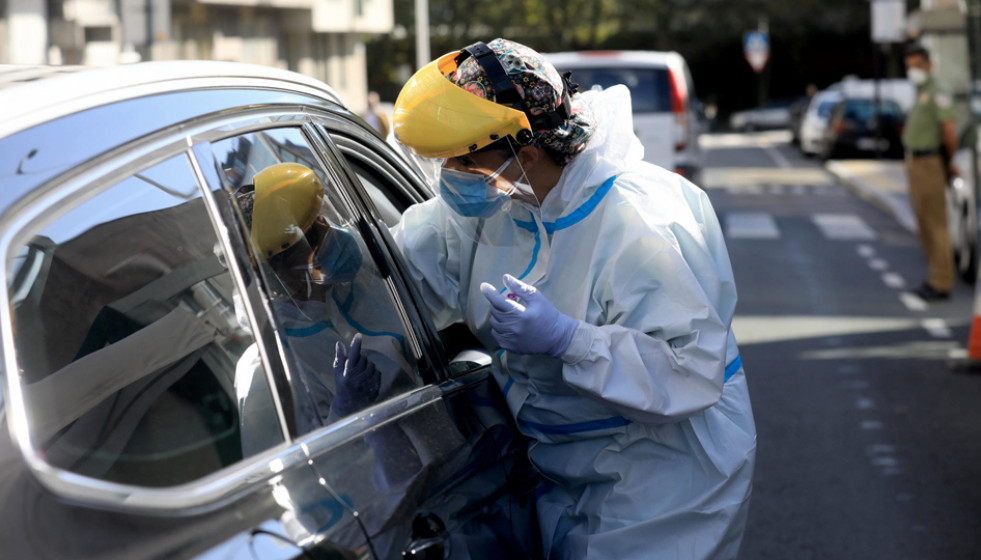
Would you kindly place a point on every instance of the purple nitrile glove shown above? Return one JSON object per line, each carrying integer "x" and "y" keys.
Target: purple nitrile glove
{"x": 356, "y": 380}
{"x": 535, "y": 327}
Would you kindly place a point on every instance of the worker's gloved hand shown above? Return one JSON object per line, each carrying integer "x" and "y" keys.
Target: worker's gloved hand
{"x": 534, "y": 327}
{"x": 355, "y": 378}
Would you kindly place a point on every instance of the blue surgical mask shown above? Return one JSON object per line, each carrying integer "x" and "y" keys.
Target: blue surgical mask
{"x": 471, "y": 194}
{"x": 339, "y": 257}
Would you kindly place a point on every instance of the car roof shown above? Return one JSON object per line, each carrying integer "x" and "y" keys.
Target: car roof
{"x": 43, "y": 93}
{"x": 616, "y": 58}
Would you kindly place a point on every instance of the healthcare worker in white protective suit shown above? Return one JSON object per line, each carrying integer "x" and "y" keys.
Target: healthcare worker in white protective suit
{"x": 604, "y": 286}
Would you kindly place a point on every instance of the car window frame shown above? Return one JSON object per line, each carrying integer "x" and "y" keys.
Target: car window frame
{"x": 60, "y": 196}
{"x": 394, "y": 170}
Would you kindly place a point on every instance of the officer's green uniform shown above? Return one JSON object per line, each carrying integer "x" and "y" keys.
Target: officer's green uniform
{"x": 923, "y": 140}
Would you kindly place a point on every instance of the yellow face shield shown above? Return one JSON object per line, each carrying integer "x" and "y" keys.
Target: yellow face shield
{"x": 435, "y": 118}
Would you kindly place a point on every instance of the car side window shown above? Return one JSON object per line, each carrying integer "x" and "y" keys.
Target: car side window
{"x": 340, "y": 329}
{"x": 126, "y": 336}
{"x": 387, "y": 198}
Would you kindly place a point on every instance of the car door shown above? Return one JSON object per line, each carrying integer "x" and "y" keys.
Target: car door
{"x": 484, "y": 495}
{"x": 123, "y": 353}
{"x": 432, "y": 463}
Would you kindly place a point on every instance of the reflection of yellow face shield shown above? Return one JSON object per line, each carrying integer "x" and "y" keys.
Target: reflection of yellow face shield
{"x": 435, "y": 118}
{"x": 288, "y": 197}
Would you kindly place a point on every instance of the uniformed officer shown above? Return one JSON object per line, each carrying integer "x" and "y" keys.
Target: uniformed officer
{"x": 930, "y": 128}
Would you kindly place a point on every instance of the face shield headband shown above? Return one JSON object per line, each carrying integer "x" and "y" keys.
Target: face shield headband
{"x": 506, "y": 94}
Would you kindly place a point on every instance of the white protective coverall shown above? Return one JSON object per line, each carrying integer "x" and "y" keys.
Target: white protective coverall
{"x": 644, "y": 427}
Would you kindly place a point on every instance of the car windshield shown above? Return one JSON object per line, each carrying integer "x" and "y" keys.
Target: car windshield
{"x": 825, "y": 108}
{"x": 864, "y": 109}
{"x": 650, "y": 88}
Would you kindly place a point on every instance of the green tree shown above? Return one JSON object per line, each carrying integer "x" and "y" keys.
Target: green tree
{"x": 815, "y": 41}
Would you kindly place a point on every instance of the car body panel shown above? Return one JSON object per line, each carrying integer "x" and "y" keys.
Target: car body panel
{"x": 961, "y": 200}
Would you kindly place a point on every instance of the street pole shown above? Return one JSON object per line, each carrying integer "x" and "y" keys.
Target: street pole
{"x": 422, "y": 33}
{"x": 876, "y": 100}
{"x": 763, "y": 78}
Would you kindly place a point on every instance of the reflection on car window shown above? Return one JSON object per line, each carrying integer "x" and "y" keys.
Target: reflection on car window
{"x": 126, "y": 335}
{"x": 825, "y": 108}
{"x": 864, "y": 109}
{"x": 334, "y": 312}
{"x": 650, "y": 88}
{"x": 387, "y": 200}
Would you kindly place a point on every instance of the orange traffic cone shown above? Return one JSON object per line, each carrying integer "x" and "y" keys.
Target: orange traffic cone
{"x": 974, "y": 339}
{"x": 972, "y": 362}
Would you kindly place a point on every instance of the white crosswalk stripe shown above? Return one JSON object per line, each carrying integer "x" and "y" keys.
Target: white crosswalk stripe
{"x": 894, "y": 280}
{"x": 843, "y": 227}
{"x": 912, "y": 302}
{"x": 937, "y": 328}
{"x": 784, "y": 189}
{"x": 751, "y": 225}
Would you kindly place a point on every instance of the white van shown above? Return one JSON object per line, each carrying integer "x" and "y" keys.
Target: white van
{"x": 663, "y": 97}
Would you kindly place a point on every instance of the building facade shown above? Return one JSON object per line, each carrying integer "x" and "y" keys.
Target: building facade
{"x": 320, "y": 38}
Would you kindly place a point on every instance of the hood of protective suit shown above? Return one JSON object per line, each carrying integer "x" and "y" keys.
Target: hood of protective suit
{"x": 612, "y": 149}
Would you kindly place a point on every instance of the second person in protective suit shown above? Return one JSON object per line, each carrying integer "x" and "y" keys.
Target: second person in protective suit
{"x": 603, "y": 285}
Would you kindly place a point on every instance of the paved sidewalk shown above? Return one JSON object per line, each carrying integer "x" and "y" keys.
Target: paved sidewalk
{"x": 882, "y": 182}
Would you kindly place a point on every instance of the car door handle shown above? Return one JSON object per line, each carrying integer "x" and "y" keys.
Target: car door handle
{"x": 431, "y": 548}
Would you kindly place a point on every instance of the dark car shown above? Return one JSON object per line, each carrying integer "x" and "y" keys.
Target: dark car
{"x": 157, "y": 378}
{"x": 852, "y": 129}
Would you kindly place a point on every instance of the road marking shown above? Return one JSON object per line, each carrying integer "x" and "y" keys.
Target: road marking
{"x": 878, "y": 264}
{"x": 778, "y": 158}
{"x": 937, "y": 328}
{"x": 751, "y": 225}
{"x": 912, "y": 302}
{"x": 831, "y": 191}
{"x": 894, "y": 280}
{"x": 885, "y": 461}
{"x": 743, "y": 140}
{"x": 864, "y": 404}
{"x": 842, "y": 226}
{"x": 866, "y": 251}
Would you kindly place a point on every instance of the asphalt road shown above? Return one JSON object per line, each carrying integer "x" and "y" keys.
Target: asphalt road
{"x": 869, "y": 446}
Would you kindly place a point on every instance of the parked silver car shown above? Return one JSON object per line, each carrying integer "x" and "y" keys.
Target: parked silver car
{"x": 166, "y": 396}
{"x": 773, "y": 115}
{"x": 962, "y": 218}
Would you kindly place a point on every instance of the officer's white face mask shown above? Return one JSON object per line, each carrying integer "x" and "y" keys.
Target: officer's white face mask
{"x": 918, "y": 76}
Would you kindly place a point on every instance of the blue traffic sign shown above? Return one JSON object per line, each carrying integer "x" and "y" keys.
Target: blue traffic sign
{"x": 756, "y": 47}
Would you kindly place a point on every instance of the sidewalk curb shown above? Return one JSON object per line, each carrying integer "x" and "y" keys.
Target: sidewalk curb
{"x": 884, "y": 201}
